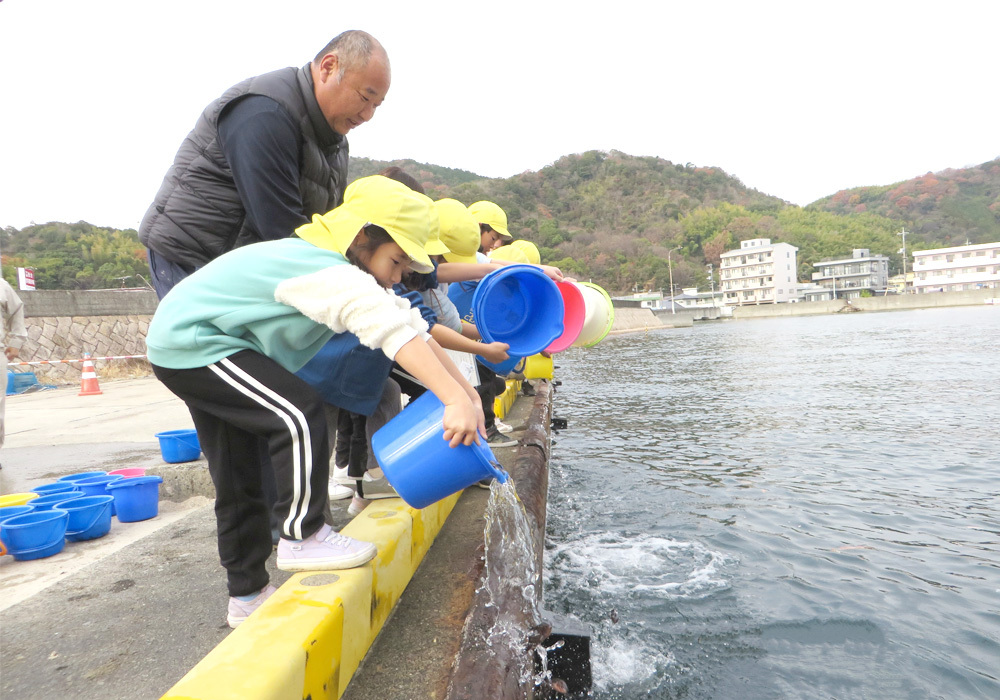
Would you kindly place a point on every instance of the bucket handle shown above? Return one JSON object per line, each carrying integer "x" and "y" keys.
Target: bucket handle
{"x": 498, "y": 472}
{"x": 100, "y": 512}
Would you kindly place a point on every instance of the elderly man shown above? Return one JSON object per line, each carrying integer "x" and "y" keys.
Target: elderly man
{"x": 14, "y": 333}
{"x": 263, "y": 158}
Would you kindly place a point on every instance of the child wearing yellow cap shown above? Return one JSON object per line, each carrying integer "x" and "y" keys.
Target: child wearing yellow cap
{"x": 228, "y": 339}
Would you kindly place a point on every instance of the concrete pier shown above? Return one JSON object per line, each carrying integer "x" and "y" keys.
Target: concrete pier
{"x": 131, "y": 614}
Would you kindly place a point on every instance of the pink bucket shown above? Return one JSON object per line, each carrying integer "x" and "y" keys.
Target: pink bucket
{"x": 574, "y": 314}
{"x": 129, "y": 473}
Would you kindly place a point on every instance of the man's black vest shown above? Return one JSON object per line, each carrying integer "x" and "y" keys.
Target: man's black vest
{"x": 197, "y": 215}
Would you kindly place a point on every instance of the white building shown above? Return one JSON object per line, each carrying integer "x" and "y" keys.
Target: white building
{"x": 759, "y": 273}
{"x": 849, "y": 277}
{"x": 957, "y": 269}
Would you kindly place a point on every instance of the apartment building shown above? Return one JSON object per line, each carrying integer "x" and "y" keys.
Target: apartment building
{"x": 759, "y": 273}
{"x": 957, "y": 269}
{"x": 848, "y": 278}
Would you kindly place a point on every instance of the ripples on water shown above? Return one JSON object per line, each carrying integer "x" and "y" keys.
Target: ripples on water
{"x": 784, "y": 508}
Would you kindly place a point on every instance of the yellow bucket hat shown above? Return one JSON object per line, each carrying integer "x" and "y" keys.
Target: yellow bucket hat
{"x": 529, "y": 249}
{"x": 459, "y": 231}
{"x": 490, "y": 213}
{"x": 510, "y": 254}
{"x": 435, "y": 246}
{"x": 406, "y": 215}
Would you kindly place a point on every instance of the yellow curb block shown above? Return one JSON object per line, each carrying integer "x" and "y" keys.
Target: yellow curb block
{"x": 505, "y": 401}
{"x": 308, "y": 639}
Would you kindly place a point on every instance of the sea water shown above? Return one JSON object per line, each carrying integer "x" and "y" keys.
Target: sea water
{"x": 783, "y": 508}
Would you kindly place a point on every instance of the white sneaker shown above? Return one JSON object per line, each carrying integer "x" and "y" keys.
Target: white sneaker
{"x": 503, "y": 427}
{"x": 358, "y": 504}
{"x": 339, "y": 475}
{"x": 240, "y": 610}
{"x": 323, "y": 551}
{"x": 339, "y": 492}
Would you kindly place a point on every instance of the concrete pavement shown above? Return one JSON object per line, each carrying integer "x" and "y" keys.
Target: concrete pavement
{"x": 127, "y": 615}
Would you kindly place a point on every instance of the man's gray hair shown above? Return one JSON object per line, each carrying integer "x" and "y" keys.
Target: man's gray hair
{"x": 354, "y": 48}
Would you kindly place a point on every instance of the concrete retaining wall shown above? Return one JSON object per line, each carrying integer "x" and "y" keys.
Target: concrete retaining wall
{"x": 628, "y": 319}
{"x": 896, "y": 302}
{"x": 62, "y": 325}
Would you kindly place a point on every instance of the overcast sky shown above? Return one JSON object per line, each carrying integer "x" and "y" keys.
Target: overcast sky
{"x": 798, "y": 99}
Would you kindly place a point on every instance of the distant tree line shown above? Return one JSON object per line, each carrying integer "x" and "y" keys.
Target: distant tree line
{"x": 612, "y": 218}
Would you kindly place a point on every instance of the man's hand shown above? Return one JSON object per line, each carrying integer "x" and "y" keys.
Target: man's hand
{"x": 10, "y": 352}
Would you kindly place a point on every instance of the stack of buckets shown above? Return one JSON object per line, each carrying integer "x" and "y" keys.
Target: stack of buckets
{"x": 518, "y": 305}
{"x": 75, "y": 508}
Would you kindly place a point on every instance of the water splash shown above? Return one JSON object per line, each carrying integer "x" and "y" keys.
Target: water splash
{"x": 510, "y": 576}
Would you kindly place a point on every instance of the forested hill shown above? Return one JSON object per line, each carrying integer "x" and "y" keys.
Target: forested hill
{"x": 948, "y": 208}
{"x": 610, "y": 217}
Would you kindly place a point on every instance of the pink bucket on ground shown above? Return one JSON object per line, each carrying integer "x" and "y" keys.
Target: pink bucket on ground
{"x": 129, "y": 473}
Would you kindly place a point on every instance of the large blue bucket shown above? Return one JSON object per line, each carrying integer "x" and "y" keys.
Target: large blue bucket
{"x": 98, "y": 486}
{"x": 179, "y": 445}
{"x": 418, "y": 462}
{"x": 136, "y": 499}
{"x": 51, "y": 500}
{"x": 89, "y": 517}
{"x": 81, "y": 475}
{"x": 35, "y": 535}
{"x": 54, "y": 487}
{"x": 518, "y": 305}
{"x": 11, "y": 511}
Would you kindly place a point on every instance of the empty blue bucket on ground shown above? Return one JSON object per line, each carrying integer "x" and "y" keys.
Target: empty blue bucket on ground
{"x": 136, "y": 499}
{"x": 35, "y": 535}
{"x": 98, "y": 486}
{"x": 89, "y": 517}
{"x": 51, "y": 500}
{"x": 54, "y": 487}
{"x": 518, "y": 305}
{"x": 81, "y": 475}
{"x": 418, "y": 462}
{"x": 11, "y": 511}
{"x": 179, "y": 445}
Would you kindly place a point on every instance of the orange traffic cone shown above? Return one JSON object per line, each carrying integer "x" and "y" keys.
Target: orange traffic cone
{"x": 88, "y": 380}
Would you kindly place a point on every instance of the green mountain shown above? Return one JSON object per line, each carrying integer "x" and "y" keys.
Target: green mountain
{"x": 612, "y": 218}
{"x": 949, "y": 208}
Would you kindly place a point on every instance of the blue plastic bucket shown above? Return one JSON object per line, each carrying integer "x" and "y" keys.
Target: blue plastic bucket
{"x": 54, "y": 487}
{"x": 136, "y": 499}
{"x": 11, "y": 511}
{"x": 502, "y": 368}
{"x": 418, "y": 462}
{"x": 179, "y": 445}
{"x": 51, "y": 500}
{"x": 35, "y": 535}
{"x": 98, "y": 486}
{"x": 461, "y": 294}
{"x": 81, "y": 475}
{"x": 89, "y": 517}
{"x": 518, "y": 305}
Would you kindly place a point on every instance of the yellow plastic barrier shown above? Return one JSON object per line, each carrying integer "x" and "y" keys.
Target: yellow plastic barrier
{"x": 308, "y": 639}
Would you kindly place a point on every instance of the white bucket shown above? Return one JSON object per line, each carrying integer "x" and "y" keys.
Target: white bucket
{"x": 599, "y": 318}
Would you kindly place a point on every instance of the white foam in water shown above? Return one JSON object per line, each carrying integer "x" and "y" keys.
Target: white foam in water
{"x": 645, "y": 563}
{"x": 619, "y": 661}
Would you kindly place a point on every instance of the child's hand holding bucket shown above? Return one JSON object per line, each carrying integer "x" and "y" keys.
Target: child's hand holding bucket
{"x": 462, "y": 424}
{"x": 494, "y": 352}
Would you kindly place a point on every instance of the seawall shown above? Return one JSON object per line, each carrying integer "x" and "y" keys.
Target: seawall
{"x": 62, "y": 325}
